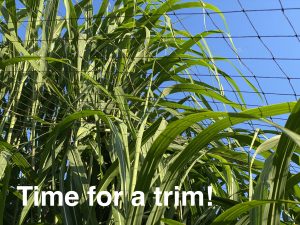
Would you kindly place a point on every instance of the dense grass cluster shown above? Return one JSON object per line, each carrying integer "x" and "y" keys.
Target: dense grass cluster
{"x": 84, "y": 102}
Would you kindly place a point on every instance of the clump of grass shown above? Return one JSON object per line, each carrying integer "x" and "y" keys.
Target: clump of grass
{"x": 84, "y": 102}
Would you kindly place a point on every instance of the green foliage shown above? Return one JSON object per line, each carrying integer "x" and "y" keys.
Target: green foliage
{"x": 84, "y": 102}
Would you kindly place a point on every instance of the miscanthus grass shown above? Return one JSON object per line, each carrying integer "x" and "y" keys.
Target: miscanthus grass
{"x": 86, "y": 100}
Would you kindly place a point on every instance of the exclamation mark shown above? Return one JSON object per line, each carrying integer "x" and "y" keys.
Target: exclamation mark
{"x": 209, "y": 192}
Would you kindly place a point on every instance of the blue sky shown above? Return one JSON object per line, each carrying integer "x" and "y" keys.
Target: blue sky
{"x": 267, "y": 23}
